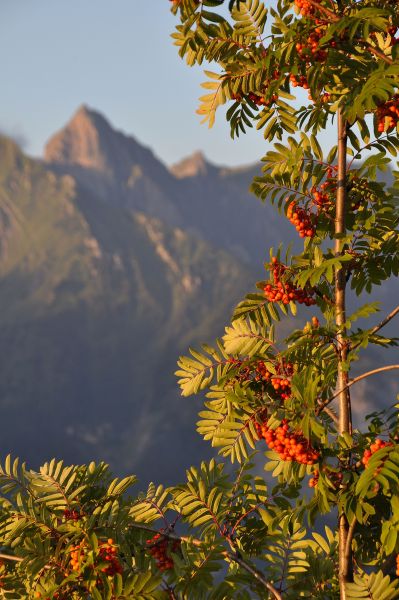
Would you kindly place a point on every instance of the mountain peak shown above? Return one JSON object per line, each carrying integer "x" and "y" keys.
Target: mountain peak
{"x": 88, "y": 140}
{"x": 192, "y": 166}
{"x": 85, "y": 115}
{"x": 113, "y": 165}
{"x": 84, "y": 141}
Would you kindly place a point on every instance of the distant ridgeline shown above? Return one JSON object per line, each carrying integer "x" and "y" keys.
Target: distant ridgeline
{"x": 110, "y": 266}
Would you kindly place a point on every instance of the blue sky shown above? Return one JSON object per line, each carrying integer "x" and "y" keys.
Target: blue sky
{"x": 116, "y": 56}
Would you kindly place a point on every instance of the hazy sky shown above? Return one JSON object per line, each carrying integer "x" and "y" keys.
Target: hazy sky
{"x": 116, "y": 56}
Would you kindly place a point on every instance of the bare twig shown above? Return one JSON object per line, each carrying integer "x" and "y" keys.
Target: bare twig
{"x": 386, "y": 320}
{"x": 255, "y": 573}
{"x": 355, "y": 380}
{"x": 381, "y": 325}
{"x": 330, "y": 413}
{"x": 10, "y": 557}
{"x": 233, "y": 556}
{"x": 351, "y": 531}
{"x": 326, "y": 11}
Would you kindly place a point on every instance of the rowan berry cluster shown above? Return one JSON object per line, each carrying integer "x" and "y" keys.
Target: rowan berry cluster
{"x": 243, "y": 374}
{"x": 289, "y": 445}
{"x": 160, "y": 548}
{"x": 331, "y": 172}
{"x": 335, "y": 478}
{"x": 282, "y": 386}
{"x": 310, "y": 50}
{"x": 71, "y": 515}
{"x": 108, "y": 552}
{"x": 368, "y": 453}
{"x": 323, "y": 98}
{"x": 299, "y": 80}
{"x": 305, "y": 8}
{"x": 261, "y": 100}
{"x": 304, "y": 222}
{"x": 262, "y": 373}
{"x": 387, "y": 114}
{"x": 397, "y": 565}
{"x": 258, "y": 100}
{"x": 309, "y": 10}
{"x": 279, "y": 381}
{"x": 55, "y": 596}
{"x": 310, "y": 325}
{"x": 78, "y": 553}
{"x": 320, "y": 196}
{"x": 326, "y": 97}
{"x": 302, "y": 81}
{"x": 285, "y": 291}
{"x": 314, "y": 480}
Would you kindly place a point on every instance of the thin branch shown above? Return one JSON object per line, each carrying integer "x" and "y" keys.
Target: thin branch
{"x": 11, "y": 557}
{"x": 351, "y": 531}
{"x": 379, "y": 54}
{"x": 326, "y": 11}
{"x": 380, "y": 325}
{"x": 345, "y": 563}
{"x": 169, "y": 535}
{"x": 169, "y": 590}
{"x": 369, "y": 145}
{"x": 386, "y": 320}
{"x": 230, "y": 555}
{"x": 332, "y": 415}
{"x": 255, "y": 573}
{"x": 242, "y": 517}
{"x": 373, "y": 372}
{"x": 355, "y": 380}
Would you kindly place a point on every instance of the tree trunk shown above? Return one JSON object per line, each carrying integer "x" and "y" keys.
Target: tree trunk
{"x": 345, "y": 419}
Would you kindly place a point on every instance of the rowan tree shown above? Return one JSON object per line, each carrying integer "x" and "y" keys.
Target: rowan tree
{"x": 71, "y": 532}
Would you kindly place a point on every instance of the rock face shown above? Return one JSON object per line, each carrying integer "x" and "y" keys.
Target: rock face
{"x": 89, "y": 141}
{"x": 193, "y": 166}
{"x": 194, "y": 194}
{"x": 114, "y": 166}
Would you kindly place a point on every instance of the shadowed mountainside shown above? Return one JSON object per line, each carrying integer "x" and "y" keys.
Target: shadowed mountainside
{"x": 96, "y": 303}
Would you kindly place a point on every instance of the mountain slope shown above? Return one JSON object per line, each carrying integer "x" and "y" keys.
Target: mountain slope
{"x": 96, "y": 304}
{"x": 112, "y": 165}
{"x": 210, "y": 201}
